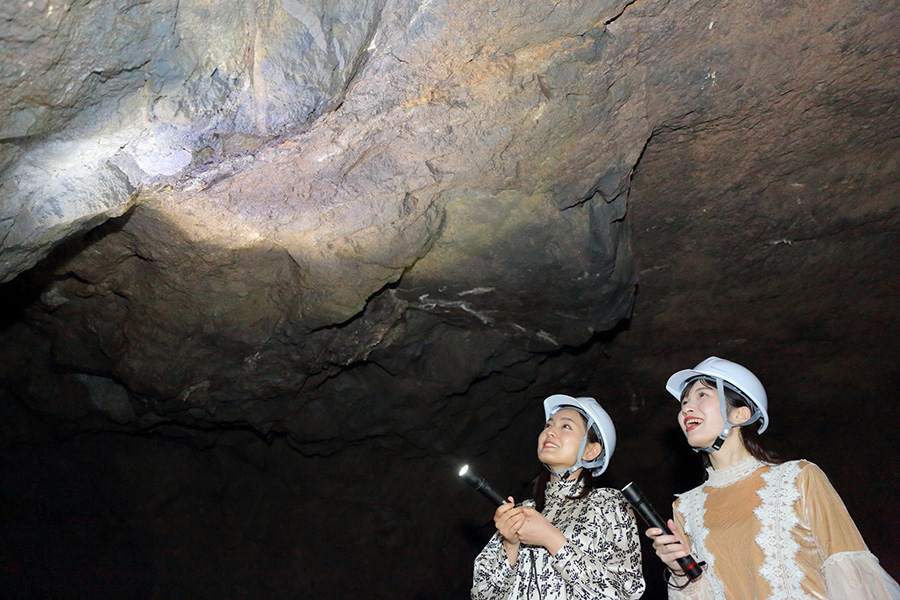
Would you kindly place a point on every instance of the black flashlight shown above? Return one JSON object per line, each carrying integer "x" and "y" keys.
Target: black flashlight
{"x": 481, "y": 485}
{"x": 639, "y": 502}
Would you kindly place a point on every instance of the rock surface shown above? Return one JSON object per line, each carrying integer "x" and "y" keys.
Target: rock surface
{"x": 275, "y": 269}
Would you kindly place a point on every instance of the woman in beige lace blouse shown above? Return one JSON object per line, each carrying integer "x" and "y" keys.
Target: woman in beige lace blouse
{"x": 765, "y": 529}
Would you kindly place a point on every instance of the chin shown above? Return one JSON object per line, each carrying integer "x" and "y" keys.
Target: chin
{"x": 695, "y": 443}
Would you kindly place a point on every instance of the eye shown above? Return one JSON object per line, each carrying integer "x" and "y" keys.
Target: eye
{"x": 567, "y": 426}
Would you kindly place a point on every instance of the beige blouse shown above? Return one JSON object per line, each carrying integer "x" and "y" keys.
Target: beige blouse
{"x": 776, "y": 533}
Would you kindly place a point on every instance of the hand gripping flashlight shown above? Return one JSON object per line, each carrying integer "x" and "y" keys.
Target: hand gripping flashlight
{"x": 639, "y": 502}
{"x": 481, "y": 485}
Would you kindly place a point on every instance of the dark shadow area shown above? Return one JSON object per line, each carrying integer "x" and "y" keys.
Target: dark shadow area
{"x": 25, "y": 290}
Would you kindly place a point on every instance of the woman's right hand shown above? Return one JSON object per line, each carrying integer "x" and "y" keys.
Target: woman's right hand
{"x": 508, "y": 518}
{"x": 669, "y": 547}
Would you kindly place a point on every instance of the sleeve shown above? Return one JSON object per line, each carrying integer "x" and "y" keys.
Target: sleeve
{"x": 493, "y": 578}
{"x": 607, "y": 562}
{"x": 851, "y": 571}
{"x": 857, "y": 575}
{"x": 699, "y": 589}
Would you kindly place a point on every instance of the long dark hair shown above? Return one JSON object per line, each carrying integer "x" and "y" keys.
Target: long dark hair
{"x": 586, "y": 476}
{"x": 749, "y": 432}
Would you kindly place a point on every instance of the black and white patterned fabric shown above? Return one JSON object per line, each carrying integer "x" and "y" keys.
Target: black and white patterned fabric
{"x": 601, "y": 559}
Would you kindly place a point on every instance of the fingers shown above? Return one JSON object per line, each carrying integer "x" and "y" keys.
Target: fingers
{"x": 668, "y": 543}
{"x": 505, "y": 511}
{"x": 509, "y": 505}
{"x": 669, "y": 550}
{"x": 668, "y": 546}
{"x": 510, "y": 533}
{"x": 676, "y": 533}
{"x": 508, "y": 519}
{"x": 538, "y": 531}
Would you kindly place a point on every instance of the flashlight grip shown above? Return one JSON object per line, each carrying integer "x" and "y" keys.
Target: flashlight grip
{"x": 482, "y": 486}
{"x": 642, "y": 506}
{"x": 491, "y": 495}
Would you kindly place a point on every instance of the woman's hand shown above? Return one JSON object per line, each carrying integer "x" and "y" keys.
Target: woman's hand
{"x": 536, "y": 530}
{"x": 508, "y": 518}
{"x": 669, "y": 547}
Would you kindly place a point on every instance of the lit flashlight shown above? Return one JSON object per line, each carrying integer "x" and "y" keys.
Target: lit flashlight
{"x": 481, "y": 485}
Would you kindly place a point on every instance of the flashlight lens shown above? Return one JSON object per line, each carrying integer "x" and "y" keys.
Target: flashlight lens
{"x": 463, "y": 470}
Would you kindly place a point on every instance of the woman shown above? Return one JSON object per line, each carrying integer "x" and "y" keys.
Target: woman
{"x": 765, "y": 529}
{"x": 575, "y": 539}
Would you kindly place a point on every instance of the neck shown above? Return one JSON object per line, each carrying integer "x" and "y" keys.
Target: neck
{"x": 573, "y": 475}
{"x": 732, "y": 451}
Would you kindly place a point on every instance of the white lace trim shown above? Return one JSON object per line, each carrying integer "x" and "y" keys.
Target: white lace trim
{"x": 850, "y": 554}
{"x": 693, "y": 508}
{"x": 777, "y": 519}
{"x": 719, "y": 478}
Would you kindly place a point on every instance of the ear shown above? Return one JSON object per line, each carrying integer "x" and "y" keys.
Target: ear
{"x": 592, "y": 451}
{"x": 738, "y": 415}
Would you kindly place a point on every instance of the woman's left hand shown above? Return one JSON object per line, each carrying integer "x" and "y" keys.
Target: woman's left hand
{"x": 538, "y": 531}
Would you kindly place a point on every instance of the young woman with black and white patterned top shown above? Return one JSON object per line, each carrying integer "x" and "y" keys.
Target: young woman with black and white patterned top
{"x": 574, "y": 540}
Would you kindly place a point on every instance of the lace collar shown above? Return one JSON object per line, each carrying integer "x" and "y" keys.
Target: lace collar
{"x": 720, "y": 478}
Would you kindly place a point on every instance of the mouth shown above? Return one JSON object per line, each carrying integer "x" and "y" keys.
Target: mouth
{"x": 548, "y": 445}
{"x": 692, "y": 423}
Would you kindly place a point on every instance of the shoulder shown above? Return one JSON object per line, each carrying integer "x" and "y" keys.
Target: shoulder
{"x": 811, "y": 474}
{"x": 801, "y": 474}
{"x": 610, "y": 506}
{"x": 690, "y": 501}
{"x": 606, "y": 494}
{"x": 806, "y": 466}
{"x": 691, "y": 493}
{"x": 796, "y": 468}
{"x": 794, "y": 464}
{"x": 606, "y": 497}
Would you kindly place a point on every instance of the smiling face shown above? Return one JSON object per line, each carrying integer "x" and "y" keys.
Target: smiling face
{"x": 700, "y": 416}
{"x": 559, "y": 442}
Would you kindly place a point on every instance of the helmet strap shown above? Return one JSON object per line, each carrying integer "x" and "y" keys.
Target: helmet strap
{"x": 565, "y": 473}
{"x": 717, "y": 444}
{"x": 723, "y": 408}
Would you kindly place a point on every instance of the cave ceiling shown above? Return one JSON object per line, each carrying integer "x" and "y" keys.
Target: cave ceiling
{"x": 351, "y": 243}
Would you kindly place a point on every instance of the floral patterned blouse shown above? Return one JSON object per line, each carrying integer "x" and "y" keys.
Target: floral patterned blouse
{"x": 600, "y": 559}
{"x": 776, "y": 532}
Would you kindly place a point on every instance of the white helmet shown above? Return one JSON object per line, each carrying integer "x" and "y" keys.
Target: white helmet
{"x": 598, "y": 419}
{"x": 726, "y": 374}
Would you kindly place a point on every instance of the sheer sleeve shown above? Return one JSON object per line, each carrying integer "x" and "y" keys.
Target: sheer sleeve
{"x": 609, "y": 565}
{"x": 493, "y": 577}
{"x": 858, "y": 576}
{"x": 851, "y": 572}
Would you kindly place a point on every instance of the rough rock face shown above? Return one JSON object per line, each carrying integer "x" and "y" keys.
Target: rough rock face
{"x": 274, "y": 269}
